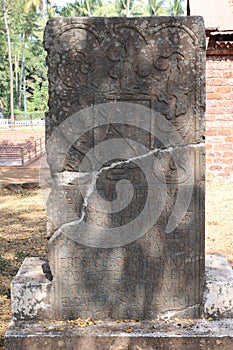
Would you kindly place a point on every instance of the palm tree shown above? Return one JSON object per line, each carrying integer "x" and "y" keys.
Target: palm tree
{"x": 30, "y": 7}
{"x": 176, "y": 7}
{"x": 35, "y": 4}
{"x": 4, "y": 10}
{"x": 129, "y": 8}
{"x": 82, "y": 8}
{"x": 38, "y": 5}
{"x": 156, "y": 7}
{"x": 108, "y": 9}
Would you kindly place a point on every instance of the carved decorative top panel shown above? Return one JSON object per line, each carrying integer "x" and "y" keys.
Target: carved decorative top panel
{"x": 151, "y": 61}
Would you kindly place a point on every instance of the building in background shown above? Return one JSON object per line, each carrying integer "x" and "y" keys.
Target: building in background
{"x": 218, "y": 17}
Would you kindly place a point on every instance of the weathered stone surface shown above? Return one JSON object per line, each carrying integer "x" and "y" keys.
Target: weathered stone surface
{"x": 155, "y": 63}
{"x": 31, "y": 292}
{"x": 218, "y": 291}
{"x": 171, "y": 335}
{"x": 166, "y": 335}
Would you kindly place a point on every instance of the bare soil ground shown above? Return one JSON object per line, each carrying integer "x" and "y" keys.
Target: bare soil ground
{"x": 23, "y": 233}
{"x": 219, "y": 219}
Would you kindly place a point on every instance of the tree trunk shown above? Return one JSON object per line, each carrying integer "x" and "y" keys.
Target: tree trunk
{"x": 16, "y": 80}
{"x": 88, "y": 8}
{"x": 21, "y": 79}
{"x": 24, "y": 98}
{"x": 127, "y": 8}
{"x": 10, "y": 63}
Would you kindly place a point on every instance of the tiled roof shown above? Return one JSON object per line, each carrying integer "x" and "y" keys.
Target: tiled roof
{"x": 218, "y": 14}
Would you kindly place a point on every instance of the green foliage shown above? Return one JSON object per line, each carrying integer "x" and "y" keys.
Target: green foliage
{"x": 129, "y": 8}
{"x": 108, "y": 9}
{"x": 156, "y": 7}
{"x": 4, "y": 80}
{"x": 26, "y": 21}
{"x": 38, "y": 101}
{"x": 176, "y": 7}
{"x": 81, "y": 8}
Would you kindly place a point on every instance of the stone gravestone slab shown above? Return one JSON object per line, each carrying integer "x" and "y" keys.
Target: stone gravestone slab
{"x": 125, "y": 147}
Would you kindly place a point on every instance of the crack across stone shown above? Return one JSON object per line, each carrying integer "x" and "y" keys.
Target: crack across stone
{"x": 95, "y": 174}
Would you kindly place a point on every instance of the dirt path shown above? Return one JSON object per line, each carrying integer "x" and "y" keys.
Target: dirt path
{"x": 24, "y": 174}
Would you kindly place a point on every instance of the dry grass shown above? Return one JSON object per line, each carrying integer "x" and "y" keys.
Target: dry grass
{"x": 23, "y": 231}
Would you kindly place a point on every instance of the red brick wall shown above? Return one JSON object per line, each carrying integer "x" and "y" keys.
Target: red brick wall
{"x": 219, "y": 118}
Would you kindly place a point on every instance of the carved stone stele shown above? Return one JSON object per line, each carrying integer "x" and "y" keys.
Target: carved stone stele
{"x": 131, "y": 67}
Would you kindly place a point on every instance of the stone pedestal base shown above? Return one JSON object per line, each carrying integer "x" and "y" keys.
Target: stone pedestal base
{"x": 32, "y": 292}
{"x": 218, "y": 292}
{"x": 33, "y": 303}
{"x": 164, "y": 335}
{"x": 33, "y": 296}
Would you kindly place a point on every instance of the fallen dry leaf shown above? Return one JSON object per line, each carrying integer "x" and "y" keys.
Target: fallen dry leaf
{"x": 129, "y": 330}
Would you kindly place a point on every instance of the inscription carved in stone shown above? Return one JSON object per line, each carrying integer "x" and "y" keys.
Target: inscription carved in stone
{"x": 135, "y": 86}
